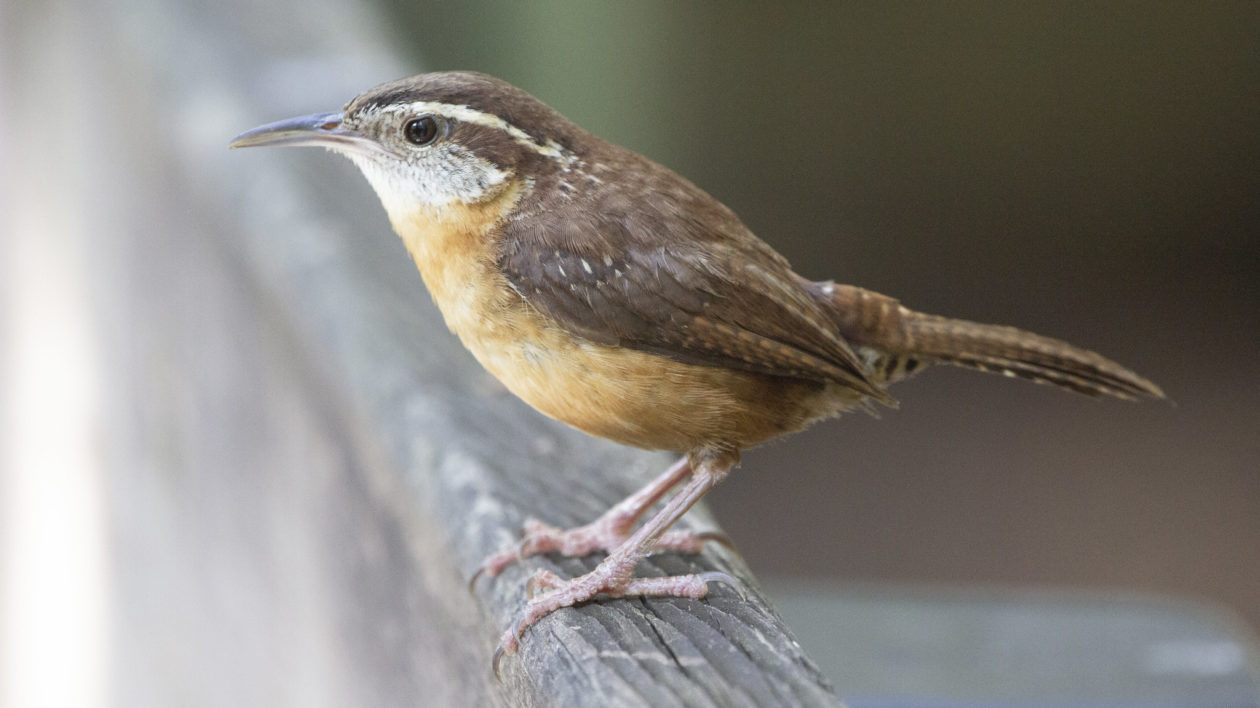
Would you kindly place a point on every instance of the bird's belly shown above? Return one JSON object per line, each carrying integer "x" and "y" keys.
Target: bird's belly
{"x": 645, "y": 400}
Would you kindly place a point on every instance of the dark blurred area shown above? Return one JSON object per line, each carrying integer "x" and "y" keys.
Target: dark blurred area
{"x": 1089, "y": 171}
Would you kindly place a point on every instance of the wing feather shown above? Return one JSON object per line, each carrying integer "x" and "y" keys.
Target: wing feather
{"x": 706, "y": 299}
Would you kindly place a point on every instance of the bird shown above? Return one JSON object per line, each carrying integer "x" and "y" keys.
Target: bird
{"x": 612, "y": 294}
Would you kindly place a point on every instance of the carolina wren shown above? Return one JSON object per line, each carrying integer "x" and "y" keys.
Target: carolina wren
{"x": 616, "y": 296}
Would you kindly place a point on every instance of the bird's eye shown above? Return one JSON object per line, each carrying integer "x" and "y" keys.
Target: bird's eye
{"x": 421, "y": 131}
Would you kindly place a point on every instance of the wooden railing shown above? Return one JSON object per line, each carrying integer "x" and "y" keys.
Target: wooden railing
{"x": 302, "y": 467}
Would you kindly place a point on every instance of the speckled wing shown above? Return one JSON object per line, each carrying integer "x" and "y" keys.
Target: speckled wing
{"x": 706, "y": 299}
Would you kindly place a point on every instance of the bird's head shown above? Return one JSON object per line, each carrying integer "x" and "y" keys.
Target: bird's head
{"x": 438, "y": 140}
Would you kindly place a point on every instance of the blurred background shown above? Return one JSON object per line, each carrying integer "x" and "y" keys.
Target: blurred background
{"x": 1088, "y": 171}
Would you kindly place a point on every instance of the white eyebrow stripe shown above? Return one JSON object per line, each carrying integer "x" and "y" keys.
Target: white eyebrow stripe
{"x": 489, "y": 120}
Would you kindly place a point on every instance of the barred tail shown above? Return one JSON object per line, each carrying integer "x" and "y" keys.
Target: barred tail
{"x": 1015, "y": 352}
{"x": 906, "y": 338}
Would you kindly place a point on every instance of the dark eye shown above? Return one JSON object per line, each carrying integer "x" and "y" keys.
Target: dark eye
{"x": 421, "y": 131}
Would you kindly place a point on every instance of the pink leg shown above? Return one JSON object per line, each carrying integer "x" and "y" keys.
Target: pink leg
{"x": 612, "y": 576}
{"x": 608, "y": 531}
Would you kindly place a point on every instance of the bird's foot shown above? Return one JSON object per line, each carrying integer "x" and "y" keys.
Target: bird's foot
{"x": 549, "y": 592}
{"x": 604, "y": 534}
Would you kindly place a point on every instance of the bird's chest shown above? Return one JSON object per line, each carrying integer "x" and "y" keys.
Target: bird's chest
{"x": 454, "y": 252}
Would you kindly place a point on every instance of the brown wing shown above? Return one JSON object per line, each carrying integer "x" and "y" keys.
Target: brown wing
{"x": 701, "y": 298}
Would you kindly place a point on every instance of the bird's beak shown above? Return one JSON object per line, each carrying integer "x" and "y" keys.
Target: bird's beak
{"x": 320, "y": 129}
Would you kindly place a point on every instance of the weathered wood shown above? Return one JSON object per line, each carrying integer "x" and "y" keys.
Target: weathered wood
{"x": 305, "y": 466}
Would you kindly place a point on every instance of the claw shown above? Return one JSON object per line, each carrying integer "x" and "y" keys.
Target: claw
{"x": 494, "y": 662}
{"x": 507, "y": 645}
{"x": 496, "y": 563}
{"x": 726, "y": 578}
{"x": 472, "y": 582}
{"x": 716, "y": 536}
{"x": 541, "y": 581}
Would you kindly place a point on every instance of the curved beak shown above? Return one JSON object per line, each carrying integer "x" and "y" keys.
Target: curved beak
{"x": 320, "y": 129}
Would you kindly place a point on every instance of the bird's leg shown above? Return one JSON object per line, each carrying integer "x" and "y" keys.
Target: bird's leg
{"x": 612, "y": 576}
{"x": 606, "y": 532}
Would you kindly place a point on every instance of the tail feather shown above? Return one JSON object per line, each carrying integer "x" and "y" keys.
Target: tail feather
{"x": 1015, "y": 352}
{"x": 880, "y": 323}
